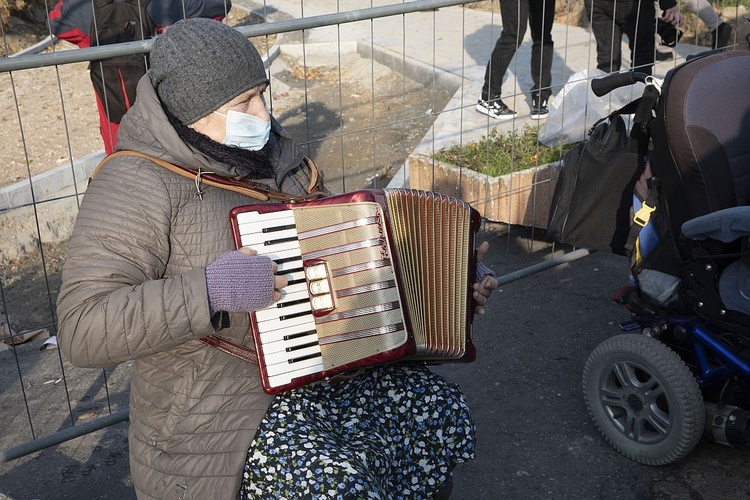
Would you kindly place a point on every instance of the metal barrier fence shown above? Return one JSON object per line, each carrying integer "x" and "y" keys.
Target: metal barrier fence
{"x": 373, "y": 93}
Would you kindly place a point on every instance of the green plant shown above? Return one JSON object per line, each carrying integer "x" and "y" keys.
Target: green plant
{"x": 722, "y": 4}
{"x": 500, "y": 154}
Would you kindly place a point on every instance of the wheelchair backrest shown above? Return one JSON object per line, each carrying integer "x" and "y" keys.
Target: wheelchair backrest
{"x": 701, "y": 136}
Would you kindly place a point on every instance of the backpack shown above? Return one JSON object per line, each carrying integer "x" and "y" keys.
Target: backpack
{"x": 115, "y": 78}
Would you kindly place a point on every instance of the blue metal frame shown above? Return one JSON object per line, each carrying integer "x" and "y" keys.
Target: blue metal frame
{"x": 704, "y": 342}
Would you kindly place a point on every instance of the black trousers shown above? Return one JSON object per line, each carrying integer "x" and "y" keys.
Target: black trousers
{"x": 539, "y": 14}
{"x": 610, "y": 19}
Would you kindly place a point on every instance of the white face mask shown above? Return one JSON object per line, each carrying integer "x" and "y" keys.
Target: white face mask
{"x": 245, "y": 130}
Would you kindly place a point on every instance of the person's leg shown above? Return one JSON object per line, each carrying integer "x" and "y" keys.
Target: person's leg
{"x": 704, "y": 11}
{"x": 541, "y": 18}
{"x": 107, "y": 128}
{"x": 721, "y": 32}
{"x": 662, "y": 51}
{"x": 514, "y": 15}
{"x": 638, "y": 21}
{"x": 607, "y": 33}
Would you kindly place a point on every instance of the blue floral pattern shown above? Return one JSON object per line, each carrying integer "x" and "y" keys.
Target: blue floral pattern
{"x": 393, "y": 432}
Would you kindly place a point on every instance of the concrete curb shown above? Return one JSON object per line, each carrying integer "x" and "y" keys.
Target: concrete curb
{"x": 53, "y": 183}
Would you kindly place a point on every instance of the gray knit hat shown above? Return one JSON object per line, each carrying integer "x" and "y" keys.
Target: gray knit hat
{"x": 199, "y": 64}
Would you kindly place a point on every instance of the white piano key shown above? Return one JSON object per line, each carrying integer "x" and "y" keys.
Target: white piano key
{"x": 286, "y": 378}
{"x": 282, "y": 217}
{"x": 275, "y": 254}
{"x": 293, "y": 276}
{"x": 281, "y": 247}
{"x": 280, "y": 334}
{"x": 270, "y": 235}
{"x": 270, "y": 325}
{"x": 283, "y": 357}
{"x": 285, "y": 367}
{"x": 293, "y": 296}
{"x": 292, "y": 264}
{"x": 293, "y": 289}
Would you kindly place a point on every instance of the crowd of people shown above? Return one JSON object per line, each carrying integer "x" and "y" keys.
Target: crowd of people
{"x": 609, "y": 19}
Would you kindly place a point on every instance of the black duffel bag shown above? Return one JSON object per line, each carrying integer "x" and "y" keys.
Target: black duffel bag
{"x": 591, "y": 204}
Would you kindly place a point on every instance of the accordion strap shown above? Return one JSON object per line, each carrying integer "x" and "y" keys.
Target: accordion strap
{"x": 253, "y": 189}
{"x": 238, "y": 351}
{"x": 257, "y": 190}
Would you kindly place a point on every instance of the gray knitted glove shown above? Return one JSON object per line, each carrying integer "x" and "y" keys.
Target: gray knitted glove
{"x": 239, "y": 283}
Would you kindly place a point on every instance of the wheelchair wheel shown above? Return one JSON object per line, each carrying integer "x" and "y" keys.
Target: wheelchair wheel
{"x": 643, "y": 399}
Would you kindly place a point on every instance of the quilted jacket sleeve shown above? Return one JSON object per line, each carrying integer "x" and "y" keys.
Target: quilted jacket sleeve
{"x": 115, "y": 302}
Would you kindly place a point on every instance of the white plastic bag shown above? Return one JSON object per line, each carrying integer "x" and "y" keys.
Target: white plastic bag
{"x": 575, "y": 108}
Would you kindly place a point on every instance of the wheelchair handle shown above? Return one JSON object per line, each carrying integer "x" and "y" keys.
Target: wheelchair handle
{"x": 606, "y": 84}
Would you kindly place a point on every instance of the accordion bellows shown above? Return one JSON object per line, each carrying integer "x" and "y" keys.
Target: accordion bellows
{"x": 375, "y": 276}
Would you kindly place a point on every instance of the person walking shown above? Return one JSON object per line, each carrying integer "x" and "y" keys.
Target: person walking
{"x": 516, "y": 14}
{"x": 636, "y": 19}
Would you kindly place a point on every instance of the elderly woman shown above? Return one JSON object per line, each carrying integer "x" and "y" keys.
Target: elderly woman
{"x": 152, "y": 268}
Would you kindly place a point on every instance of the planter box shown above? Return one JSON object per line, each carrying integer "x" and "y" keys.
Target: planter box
{"x": 521, "y": 198}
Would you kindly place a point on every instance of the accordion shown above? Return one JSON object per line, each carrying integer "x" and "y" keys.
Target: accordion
{"x": 374, "y": 276}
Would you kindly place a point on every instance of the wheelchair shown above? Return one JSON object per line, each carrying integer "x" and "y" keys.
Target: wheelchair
{"x": 679, "y": 371}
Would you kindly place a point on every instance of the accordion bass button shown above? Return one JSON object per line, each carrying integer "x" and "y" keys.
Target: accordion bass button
{"x": 322, "y": 302}
{"x": 319, "y": 287}
{"x": 316, "y": 272}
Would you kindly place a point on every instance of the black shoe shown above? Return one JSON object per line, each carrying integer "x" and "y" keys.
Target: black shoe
{"x": 538, "y": 108}
{"x": 721, "y": 35}
{"x": 495, "y": 108}
{"x": 664, "y": 56}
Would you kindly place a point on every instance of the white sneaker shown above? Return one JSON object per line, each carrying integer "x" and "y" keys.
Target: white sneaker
{"x": 496, "y": 109}
{"x": 538, "y": 108}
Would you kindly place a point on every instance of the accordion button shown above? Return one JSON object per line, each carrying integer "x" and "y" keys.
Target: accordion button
{"x": 319, "y": 287}
{"x": 316, "y": 272}
{"x": 322, "y": 302}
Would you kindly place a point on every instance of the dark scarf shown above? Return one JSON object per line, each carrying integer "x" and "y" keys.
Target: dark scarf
{"x": 253, "y": 164}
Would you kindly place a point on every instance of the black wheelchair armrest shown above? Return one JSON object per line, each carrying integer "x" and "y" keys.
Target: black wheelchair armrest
{"x": 724, "y": 225}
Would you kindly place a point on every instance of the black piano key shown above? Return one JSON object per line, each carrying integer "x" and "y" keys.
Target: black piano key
{"x": 292, "y": 302}
{"x": 293, "y": 282}
{"x": 278, "y": 228}
{"x": 294, "y": 315}
{"x": 302, "y": 346}
{"x": 280, "y": 240}
{"x": 303, "y": 358}
{"x": 300, "y": 334}
{"x": 287, "y": 259}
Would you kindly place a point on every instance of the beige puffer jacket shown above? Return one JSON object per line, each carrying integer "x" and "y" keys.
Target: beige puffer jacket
{"x": 134, "y": 287}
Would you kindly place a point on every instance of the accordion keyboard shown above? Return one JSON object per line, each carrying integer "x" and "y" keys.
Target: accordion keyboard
{"x": 287, "y": 328}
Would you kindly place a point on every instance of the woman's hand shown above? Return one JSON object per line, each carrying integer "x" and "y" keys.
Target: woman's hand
{"x": 279, "y": 282}
{"x": 242, "y": 281}
{"x": 484, "y": 287}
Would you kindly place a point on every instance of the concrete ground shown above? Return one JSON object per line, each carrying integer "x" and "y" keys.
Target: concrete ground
{"x": 535, "y": 439}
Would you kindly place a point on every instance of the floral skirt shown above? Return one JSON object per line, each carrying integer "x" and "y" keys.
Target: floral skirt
{"x": 391, "y": 432}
